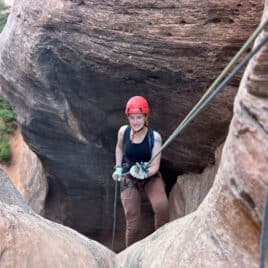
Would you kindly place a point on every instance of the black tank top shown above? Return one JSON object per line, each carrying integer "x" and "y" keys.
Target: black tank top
{"x": 137, "y": 152}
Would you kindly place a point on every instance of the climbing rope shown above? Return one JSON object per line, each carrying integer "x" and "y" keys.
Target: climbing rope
{"x": 210, "y": 94}
{"x": 114, "y": 216}
{"x": 264, "y": 233}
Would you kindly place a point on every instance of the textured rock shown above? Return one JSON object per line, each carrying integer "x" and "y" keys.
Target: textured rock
{"x": 30, "y": 241}
{"x": 190, "y": 189}
{"x": 219, "y": 234}
{"x": 225, "y": 229}
{"x": 27, "y": 174}
{"x": 246, "y": 169}
{"x": 68, "y": 67}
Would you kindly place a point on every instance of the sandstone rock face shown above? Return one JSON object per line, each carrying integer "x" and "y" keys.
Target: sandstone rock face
{"x": 219, "y": 234}
{"x": 225, "y": 229}
{"x": 190, "y": 189}
{"x": 27, "y": 174}
{"x": 68, "y": 67}
{"x": 30, "y": 241}
{"x": 247, "y": 169}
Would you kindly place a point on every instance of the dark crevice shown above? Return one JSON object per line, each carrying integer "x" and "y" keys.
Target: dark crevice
{"x": 236, "y": 11}
{"x": 233, "y": 184}
{"x": 220, "y": 250}
{"x": 168, "y": 34}
{"x": 153, "y": 6}
{"x": 248, "y": 200}
{"x": 153, "y": 77}
{"x": 79, "y": 2}
{"x": 214, "y": 20}
{"x": 252, "y": 116}
{"x": 169, "y": 174}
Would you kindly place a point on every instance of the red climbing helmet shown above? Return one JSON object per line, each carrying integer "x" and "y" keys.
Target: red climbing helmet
{"x": 137, "y": 105}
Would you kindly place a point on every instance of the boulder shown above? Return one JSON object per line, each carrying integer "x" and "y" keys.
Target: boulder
{"x": 190, "y": 189}
{"x": 30, "y": 241}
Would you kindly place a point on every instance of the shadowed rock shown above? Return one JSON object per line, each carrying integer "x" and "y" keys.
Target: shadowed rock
{"x": 9, "y": 194}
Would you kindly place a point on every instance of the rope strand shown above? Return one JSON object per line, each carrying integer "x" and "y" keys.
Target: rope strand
{"x": 210, "y": 92}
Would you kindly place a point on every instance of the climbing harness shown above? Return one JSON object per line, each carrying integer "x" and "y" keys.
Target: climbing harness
{"x": 264, "y": 233}
{"x": 127, "y": 184}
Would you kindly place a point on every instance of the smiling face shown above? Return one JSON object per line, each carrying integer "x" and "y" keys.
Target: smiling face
{"x": 137, "y": 121}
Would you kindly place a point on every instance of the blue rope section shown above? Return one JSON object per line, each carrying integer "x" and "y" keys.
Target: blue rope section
{"x": 264, "y": 233}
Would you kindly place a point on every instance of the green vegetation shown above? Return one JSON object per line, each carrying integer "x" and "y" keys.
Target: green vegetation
{"x": 7, "y": 117}
{"x": 5, "y": 151}
{"x": 7, "y": 125}
{"x": 3, "y": 14}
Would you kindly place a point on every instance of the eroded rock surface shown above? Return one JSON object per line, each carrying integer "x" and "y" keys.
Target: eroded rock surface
{"x": 30, "y": 241}
{"x": 219, "y": 234}
{"x": 191, "y": 189}
{"x": 26, "y": 173}
{"x": 68, "y": 67}
{"x": 246, "y": 169}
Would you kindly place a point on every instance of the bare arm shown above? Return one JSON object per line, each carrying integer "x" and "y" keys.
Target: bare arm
{"x": 154, "y": 166}
{"x": 119, "y": 146}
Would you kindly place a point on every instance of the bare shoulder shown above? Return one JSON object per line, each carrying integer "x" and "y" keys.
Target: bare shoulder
{"x": 157, "y": 137}
{"x": 121, "y": 130}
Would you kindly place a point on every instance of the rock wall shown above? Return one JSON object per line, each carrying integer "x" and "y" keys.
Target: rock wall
{"x": 219, "y": 234}
{"x": 68, "y": 67}
{"x": 26, "y": 172}
{"x": 190, "y": 189}
{"x": 30, "y": 241}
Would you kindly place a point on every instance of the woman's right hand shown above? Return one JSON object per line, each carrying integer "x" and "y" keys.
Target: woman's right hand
{"x": 117, "y": 174}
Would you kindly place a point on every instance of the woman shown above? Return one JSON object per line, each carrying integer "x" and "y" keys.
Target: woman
{"x": 136, "y": 144}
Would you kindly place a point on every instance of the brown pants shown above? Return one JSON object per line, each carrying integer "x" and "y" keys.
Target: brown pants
{"x": 131, "y": 201}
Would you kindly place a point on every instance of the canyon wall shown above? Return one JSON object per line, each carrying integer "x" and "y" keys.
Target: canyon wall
{"x": 68, "y": 68}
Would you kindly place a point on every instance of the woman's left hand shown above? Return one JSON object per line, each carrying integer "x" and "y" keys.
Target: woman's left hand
{"x": 139, "y": 171}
